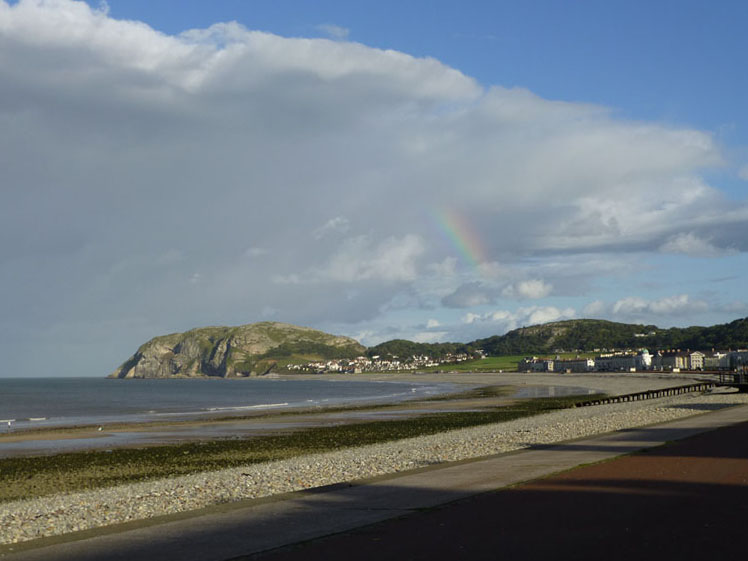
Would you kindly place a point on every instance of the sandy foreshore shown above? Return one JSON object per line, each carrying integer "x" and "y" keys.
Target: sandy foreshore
{"x": 264, "y": 422}
{"x": 27, "y": 519}
{"x": 612, "y": 383}
{"x": 24, "y": 520}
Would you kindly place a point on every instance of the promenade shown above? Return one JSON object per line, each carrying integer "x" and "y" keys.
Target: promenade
{"x": 687, "y": 498}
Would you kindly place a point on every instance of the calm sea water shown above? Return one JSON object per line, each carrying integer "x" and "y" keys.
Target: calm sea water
{"x": 74, "y": 401}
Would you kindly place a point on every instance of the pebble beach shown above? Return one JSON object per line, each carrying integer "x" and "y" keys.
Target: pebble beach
{"x": 48, "y": 516}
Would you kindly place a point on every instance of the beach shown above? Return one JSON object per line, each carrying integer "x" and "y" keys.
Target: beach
{"x": 262, "y": 421}
{"x": 53, "y": 515}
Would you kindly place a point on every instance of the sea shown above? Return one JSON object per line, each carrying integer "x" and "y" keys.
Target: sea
{"x": 55, "y": 402}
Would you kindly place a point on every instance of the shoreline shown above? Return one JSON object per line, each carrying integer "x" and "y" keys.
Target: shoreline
{"x": 22, "y": 520}
{"x": 28, "y": 476}
{"x": 50, "y": 440}
{"x": 269, "y": 418}
{"x": 192, "y": 427}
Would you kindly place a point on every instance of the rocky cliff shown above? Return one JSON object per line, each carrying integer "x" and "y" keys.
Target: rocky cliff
{"x": 246, "y": 350}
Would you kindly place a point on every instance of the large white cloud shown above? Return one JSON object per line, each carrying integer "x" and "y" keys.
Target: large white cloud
{"x": 532, "y": 289}
{"x": 223, "y": 174}
{"x": 689, "y": 244}
{"x": 505, "y": 320}
{"x": 634, "y": 306}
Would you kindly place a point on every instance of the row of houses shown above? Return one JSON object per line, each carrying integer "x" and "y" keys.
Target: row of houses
{"x": 698, "y": 360}
{"x": 377, "y": 364}
{"x": 670, "y": 360}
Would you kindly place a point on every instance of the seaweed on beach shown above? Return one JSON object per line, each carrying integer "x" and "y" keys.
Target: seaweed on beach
{"x": 29, "y": 477}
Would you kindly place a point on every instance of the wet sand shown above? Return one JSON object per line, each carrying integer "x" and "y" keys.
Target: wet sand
{"x": 261, "y": 423}
{"x": 27, "y": 519}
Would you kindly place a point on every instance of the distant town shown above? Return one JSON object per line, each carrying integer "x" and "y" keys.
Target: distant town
{"x": 376, "y": 363}
{"x": 615, "y": 361}
{"x": 671, "y": 361}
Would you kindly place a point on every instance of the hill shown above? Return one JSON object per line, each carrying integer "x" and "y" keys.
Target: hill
{"x": 405, "y": 348}
{"x": 246, "y": 350}
{"x": 590, "y": 334}
{"x": 259, "y": 348}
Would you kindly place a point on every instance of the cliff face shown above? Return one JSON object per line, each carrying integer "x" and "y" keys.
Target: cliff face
{"x": 247, "y": 350}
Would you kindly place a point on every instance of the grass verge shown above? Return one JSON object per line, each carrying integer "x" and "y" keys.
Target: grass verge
{"x": 24, "y": 478}
{"x": 505, "y": 363}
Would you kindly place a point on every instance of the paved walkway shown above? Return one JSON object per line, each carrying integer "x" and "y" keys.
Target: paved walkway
{"x": 244, "y": 529}
{"x": 685, "y": 501}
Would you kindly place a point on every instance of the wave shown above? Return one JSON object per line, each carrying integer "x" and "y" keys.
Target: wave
{"x": 72, "y": 402}
{"x": 23, "y": 420}
{"x": 246, "y": 407}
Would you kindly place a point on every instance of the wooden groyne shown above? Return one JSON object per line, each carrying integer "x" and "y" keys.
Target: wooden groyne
{"x": 737, "y": 380}
{"x": 650, "y": 394}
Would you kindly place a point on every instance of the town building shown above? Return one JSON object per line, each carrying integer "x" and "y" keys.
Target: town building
{"x": 574, "y": 365}
{"x": 624, "y": 362}
{"x": 535, "y": 364}
{"x": 716, "y": 360}
{"x": 678, "y": 360}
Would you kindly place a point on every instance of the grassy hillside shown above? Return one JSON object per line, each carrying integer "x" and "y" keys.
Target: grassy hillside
{"x": 404, "y": 348}
{"x": 259, "y": 348}
{"x": 588, "y": 334}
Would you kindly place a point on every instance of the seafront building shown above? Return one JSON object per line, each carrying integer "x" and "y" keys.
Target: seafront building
{"x": 669, "y": 360}
{"x": 624, "y": 361}
{"x": 738, "y": 360}
{"x": 610, "y": 362}
{"x": 574, "y": 365}
{"x": 679, "y": 360}
{"x": 716, "y": 360}
{"x": 535, "y": 364}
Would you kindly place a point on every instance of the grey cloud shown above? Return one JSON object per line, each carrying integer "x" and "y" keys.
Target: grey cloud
{"x": 339, "y": 224}
{"x": 119, "y": 145}
{"x": 469, "y": 295}
{"x": 664, "y": 311}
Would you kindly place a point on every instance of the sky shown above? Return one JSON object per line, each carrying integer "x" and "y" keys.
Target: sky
{"x": 429, "y": 170}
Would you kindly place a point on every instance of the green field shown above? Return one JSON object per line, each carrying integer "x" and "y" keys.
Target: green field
{"x": 489, "y": 364}
{"x": 495, "y": 363}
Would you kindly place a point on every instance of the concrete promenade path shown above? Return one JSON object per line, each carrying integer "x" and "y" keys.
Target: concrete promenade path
{"x": 410, "y": 515}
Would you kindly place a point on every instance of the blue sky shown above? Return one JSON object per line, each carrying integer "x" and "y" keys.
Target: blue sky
{"x": 427, "y": 170}
{"x": 651, "y": 60}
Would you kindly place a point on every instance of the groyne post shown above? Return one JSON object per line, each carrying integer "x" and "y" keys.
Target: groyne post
{"x": 650, "y": 394}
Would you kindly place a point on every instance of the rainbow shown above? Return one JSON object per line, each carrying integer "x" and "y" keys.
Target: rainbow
{"x": 461, "y": 234}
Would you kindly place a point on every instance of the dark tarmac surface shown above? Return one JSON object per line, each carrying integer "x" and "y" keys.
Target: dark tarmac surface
{"x": 685, "y": 500}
